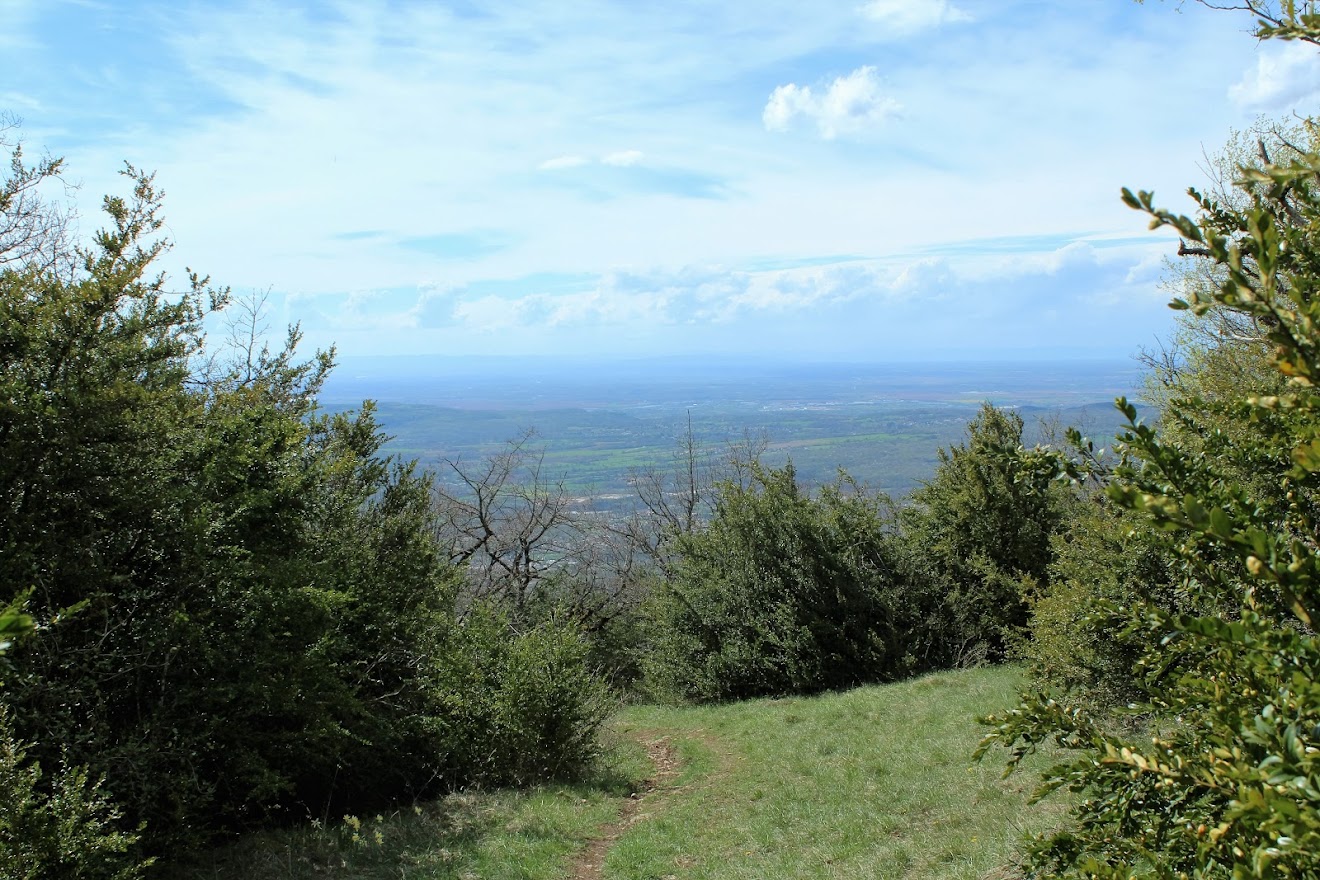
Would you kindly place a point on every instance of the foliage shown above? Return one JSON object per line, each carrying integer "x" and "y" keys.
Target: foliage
{"x": 1226, "y": 784}
{"x": 69, "y": 828}
{"x": 1078, "y": 632}
{"x": 980, "y": 533}
{"x": 517, "y": 708}
{"x": 1111, "y": 557}
{"x": 15, "y": 623}
{"x": 262, "y": 606}
{"x": 783, "y": 593}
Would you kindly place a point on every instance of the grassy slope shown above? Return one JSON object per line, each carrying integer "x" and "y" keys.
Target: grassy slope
{"x": 877, "y": 783}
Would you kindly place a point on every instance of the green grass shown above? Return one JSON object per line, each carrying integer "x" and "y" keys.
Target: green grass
{"x": 877, "y": 782}
{"x": 874, "y": 783}
{"x": 491, "y": 835}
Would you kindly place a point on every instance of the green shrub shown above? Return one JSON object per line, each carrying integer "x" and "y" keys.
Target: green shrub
{"x": 258, "y": 591}
{"x": 516, "y": 707}
{"x": 607, "y": 611}
{"x": 1224, "y": 783}
{"x": 979, "y": 535}
{"x": 784, "y": 593}
{"x": 66, "y": 828}
{"x": 1080, "y": 639}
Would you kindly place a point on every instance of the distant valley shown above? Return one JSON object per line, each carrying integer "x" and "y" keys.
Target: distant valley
{"x": 600, "y": 422}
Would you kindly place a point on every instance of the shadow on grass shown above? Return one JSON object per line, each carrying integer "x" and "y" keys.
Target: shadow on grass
{"x": 528, "y": 833}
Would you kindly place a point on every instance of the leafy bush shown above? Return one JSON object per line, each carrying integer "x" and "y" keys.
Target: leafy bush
{"x": 1079, "y": 641}
{"x": 68, "y": 828}
{"x": 784, "y": 593}
{"x": 261, "y": 602}
{"x": 1225, "y": 783}
{"x": 516, "y": 707}
{"x": 980, "y": 532}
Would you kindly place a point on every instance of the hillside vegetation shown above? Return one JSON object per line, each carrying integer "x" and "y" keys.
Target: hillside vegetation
{"x": 228, "y": 611}
{"x": 833, "y": 786}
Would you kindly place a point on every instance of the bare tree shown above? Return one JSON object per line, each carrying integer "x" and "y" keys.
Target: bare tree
{"x": 525, "y": 542}
{"x": 506, "y": 522}
{"x": 34, "y": 231}
{"x": 678, "y": 500}
{"x": 604, "y": 578}
{"x": 671, "y": 502}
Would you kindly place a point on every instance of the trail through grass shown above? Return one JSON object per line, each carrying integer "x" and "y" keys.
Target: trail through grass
{"x": 874, "y": 783}
{"x": 877, "y": 782}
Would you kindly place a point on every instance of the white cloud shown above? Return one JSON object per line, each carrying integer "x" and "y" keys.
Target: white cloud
{"x": 926, "y": 277}
{"x": 620, "y": 159}
{"x": 1070, "y": 296}
{"x": 904, "y": 17}
{"x": 785, "y": 103}
{"x": 561, "y": 162}
{"x": 1285, "y": 75}
{"x": 850, "y": 104}
{"x": 623, "y": 159}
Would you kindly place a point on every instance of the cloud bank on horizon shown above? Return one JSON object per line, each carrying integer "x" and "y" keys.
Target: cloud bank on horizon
{"x": 850, "y": 178}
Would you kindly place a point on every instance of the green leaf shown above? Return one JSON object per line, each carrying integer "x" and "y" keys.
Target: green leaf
{"x": 1307, "y": 456}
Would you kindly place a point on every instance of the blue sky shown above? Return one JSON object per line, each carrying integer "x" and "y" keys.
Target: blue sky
{"x": 861, "y": 179}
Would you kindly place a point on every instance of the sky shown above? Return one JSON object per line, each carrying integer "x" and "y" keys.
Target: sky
{"x": 835, "y": 180}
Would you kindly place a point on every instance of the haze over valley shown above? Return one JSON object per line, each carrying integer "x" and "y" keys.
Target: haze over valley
{"x": 600, "y": 421}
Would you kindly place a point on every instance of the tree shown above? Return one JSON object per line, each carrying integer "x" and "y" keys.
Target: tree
{"x": 980, "y": 532}
{"x": 783, "y": 593}
{"x": 231, "y": 606}
{"x": 263, "y": 619}
{"x": 1078, "y": 638}
{"x": 507, "y": 523}
{"x": 679, "y": 500}
{"x": 1223, "y": 782}
{"x": 34, "y": 231}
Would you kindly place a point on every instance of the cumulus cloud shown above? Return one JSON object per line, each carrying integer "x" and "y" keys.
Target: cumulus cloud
{"x": 1285, "y": 75}
{"x": 930, "y": 277}
{"x": 435, "y": 306}
{"x": 860, "y": 290}
{"x": 848, "y": 105}
{"x": 904, "y": 17}
{"x": 1072, "y": 297}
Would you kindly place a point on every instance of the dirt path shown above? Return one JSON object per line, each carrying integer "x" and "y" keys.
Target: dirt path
{"x": 591, "y": 861}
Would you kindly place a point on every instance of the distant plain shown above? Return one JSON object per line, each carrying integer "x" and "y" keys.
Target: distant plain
{"x": 598, "y": 423}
